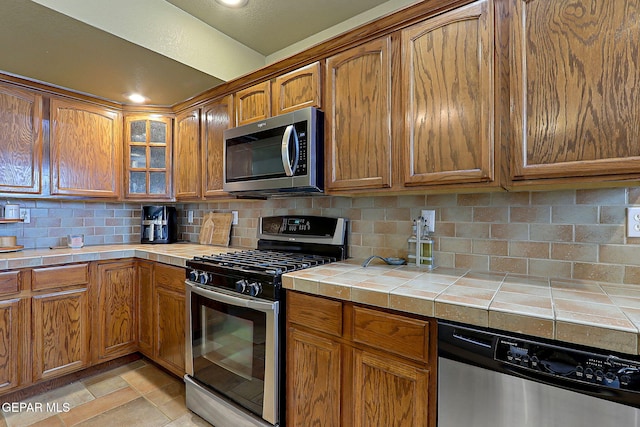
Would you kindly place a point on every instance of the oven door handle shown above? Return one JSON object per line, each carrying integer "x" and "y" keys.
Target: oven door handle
{"x": 265, "y": 306}
{"x": 289, "y": 168}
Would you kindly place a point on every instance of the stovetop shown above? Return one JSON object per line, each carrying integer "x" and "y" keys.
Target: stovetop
{"x": 260, "y": 261}
{"x": 286, "y": 244}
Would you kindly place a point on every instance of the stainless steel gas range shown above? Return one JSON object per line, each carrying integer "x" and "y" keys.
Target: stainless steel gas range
{"x": 235, "y": 314}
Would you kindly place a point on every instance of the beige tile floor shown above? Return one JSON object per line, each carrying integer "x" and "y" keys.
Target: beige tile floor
{"x": 136, "y": 394}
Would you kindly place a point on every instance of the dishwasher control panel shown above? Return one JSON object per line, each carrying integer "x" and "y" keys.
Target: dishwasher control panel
{"x": 572, "y": 364}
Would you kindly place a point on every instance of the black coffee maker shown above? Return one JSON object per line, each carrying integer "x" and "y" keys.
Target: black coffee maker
{"x": 159, "y": 224}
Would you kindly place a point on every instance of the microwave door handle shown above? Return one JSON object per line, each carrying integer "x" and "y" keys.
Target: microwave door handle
{"x": 289, "y": 168}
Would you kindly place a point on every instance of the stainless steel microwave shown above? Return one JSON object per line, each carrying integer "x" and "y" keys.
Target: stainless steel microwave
{"x": 281, "y": 155}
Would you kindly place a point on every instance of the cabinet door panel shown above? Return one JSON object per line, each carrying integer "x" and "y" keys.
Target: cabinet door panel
{"x": 297, "y": 89}
{"x": 86, "y": 150}
{"x": 187, "y": 176}
{"x": 253, "y": 103}
{"x": 60, "y": 333}
{"x": 170, "y": 317}
{"x": 389, "y": 392}
{"x": 11, "y": 359}
{"x": 117, "y": 309}
{"x": 313, "y": 389}
{"x": 216, "y": 118}
{"x": 358, "y": 137}
{"x": 448, "y": 92}
{"x": 145, "y": 308}
{"x": 575, "y": 85}
{"x": 20, "y": 141}
{"x": 148, "y": 157}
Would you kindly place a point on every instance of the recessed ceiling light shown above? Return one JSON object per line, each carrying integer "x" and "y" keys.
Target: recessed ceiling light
{"x": 137, "y": 98}
{"x": 233, "y": 3}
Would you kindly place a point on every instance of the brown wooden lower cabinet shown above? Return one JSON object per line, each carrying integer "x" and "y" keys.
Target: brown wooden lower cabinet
{"x": 117, "y": 309}
{"x": 146, "y": 333}
{"x": 169, "y": 317}
{"x": 61, "y": 329}
{"x": 350, "y": 365}
{"x": 313, "y": 387}
{"x": 56, "y": 320}
{"x": 12, "y": 362}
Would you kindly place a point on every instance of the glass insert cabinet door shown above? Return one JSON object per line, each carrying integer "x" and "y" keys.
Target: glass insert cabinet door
{"x": 148, "y": 156}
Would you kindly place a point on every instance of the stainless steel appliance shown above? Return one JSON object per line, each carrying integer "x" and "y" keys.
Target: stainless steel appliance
{"x": 282, "y": 155}
{"x": 490, "y": 379}
{"x": 235, "y": 315}
{"x": 159, "y": 224}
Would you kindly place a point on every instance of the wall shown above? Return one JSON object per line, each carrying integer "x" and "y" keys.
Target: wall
{"x": 572, "y": 234}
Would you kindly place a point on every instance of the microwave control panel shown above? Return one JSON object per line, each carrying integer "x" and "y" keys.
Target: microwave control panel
{"x": 301, "y": 129}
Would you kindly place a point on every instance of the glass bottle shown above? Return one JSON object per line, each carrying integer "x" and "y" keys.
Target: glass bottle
{"x": 426, "y": 248}
{"x": 412, "y": 242}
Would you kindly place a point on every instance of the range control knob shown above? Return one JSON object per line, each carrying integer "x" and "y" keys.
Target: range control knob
{"x": 255, "y": 289}
{"x": 203, "y": 278}
{"x": 193, "y": 275}
{"x": 241, "y": 285}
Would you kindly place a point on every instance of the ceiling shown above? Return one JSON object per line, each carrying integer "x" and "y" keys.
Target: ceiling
{"x": 168, "y": 50}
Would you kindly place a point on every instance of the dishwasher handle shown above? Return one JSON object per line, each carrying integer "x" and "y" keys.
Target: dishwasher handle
{"x": 466, "y": 344}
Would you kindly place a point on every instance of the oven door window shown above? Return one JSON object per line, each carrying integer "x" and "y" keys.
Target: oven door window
{"x": 229, "y": 350}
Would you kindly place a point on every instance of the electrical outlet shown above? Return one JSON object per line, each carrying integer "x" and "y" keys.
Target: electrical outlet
{"x": 429, "y": 216}
{"x": 25, "y": 215}
{"x": 190, "y": 217}
{"x": 633, "y": 222}
{"x": 235, "y": 217}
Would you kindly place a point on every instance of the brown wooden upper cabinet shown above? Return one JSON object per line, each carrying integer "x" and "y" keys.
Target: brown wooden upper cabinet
{"x": 291, "y": 91}
{"x": 148, "y": 157}
{"x": 187, "y": 176}
{"x": 297, "y": 89}
{"x": 253, "y": 103}
{"x": 448, "y": 86}
{"x": 358, "y": 117}
{"x": 85, "y": 149}
{"x": 575, "y": 73}
{"x": 217, "y": 116}
{"x": 20, "y": 140}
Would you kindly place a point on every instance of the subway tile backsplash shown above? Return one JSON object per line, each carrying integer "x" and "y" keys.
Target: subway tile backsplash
{"x": 576, "y": 234}
{"x": 51, "y": 221}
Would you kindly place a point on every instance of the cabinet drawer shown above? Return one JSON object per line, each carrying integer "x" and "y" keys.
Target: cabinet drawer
{"x": 400, "y": 335}
{"x": 169, "y": 276}
{"x": 60, "y": 276}
{"x": 9, "y": 282}
{"x": 319, "y": 314}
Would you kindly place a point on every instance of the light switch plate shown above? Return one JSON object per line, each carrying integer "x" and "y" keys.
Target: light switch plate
{"x": 235, "y": 218}
{"x": 633, "y": 222}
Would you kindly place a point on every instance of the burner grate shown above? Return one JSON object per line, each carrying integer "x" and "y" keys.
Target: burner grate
{"x": 264, "y": 261}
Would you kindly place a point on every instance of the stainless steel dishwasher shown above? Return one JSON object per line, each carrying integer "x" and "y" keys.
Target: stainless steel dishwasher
{"x": 493, "y": 379}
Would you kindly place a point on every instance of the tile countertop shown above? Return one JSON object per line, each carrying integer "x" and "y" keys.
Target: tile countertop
{"x": 596, "y": 314}
{"x": 602, "y": 315}
{"x": 175, "y": 254}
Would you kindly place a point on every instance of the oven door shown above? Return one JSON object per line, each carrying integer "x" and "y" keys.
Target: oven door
{"x": 232, "y": 350}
